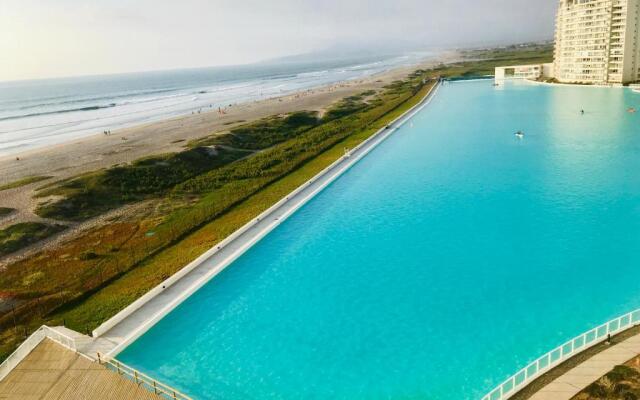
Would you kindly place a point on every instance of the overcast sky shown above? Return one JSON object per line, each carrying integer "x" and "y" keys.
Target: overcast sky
{"x": 45, "y": 38}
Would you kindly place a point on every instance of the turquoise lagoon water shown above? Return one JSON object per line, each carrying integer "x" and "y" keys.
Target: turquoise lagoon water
{"x": 440, "y": 264}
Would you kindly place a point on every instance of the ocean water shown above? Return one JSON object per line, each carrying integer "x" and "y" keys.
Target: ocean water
{"x": 39, "y": 113}
{"x": 444, "y": 261}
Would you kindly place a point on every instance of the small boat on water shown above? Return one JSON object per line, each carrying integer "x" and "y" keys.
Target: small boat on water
{"x": 519, "y": 134}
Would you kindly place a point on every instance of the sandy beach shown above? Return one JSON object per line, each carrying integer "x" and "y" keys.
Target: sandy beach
{"x": 123, "y": 146}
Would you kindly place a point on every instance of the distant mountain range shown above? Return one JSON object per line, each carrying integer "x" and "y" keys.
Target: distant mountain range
{"x": 359, "y": 51}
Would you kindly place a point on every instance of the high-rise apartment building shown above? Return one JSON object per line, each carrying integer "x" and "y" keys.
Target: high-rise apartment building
{"x": 597, "y": 41}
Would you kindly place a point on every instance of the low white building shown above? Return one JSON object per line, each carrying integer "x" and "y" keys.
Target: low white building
{"x": 532, "y": 71}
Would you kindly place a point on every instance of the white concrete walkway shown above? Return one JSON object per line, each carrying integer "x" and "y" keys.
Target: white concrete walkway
{"x": 575, "y": 380}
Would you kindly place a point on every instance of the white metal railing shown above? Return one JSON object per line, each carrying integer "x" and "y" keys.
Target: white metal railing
{"x": 526, "y": 375}
{"x": 59, "y": 337}
{"x": 142, "y": 379}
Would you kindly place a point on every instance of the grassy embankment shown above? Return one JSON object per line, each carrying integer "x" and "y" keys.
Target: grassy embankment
{"x": 89, "y": 279}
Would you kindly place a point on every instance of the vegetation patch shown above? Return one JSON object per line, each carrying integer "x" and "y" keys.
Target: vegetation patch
{"x": 622, "y": 383}
{"x": 265, "y": 132}
{"x": 23, "y": 182}
{"x": 22, "y": 235}
{"x": 92, "y": 194}
{"x": 5, "y": 211}
{"x": 350, "y": 105}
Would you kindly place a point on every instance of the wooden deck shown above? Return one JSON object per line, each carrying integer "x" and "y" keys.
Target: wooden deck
{"x": 53, "y": 372}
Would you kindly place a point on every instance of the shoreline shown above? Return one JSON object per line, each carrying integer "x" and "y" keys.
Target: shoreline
{"x": 179, "y": 129}
{"x": 351, "y": 82}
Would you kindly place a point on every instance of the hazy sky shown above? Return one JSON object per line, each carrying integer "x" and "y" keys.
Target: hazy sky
{"x": 44, "y": 38}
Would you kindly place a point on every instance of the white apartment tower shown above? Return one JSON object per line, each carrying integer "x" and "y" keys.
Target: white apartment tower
{"x": 597, "y": 41}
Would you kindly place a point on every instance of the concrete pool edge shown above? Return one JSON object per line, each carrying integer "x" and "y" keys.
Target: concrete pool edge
{"x": 132, "y": 322}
